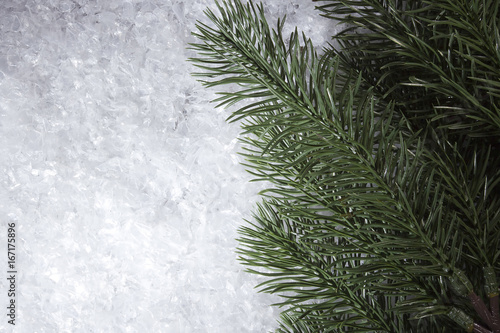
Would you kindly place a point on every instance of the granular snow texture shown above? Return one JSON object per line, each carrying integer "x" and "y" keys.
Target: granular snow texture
{"x": 122, "y": 179}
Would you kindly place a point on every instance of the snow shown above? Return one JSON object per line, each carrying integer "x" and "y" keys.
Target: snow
{"x": 122, "y": 179}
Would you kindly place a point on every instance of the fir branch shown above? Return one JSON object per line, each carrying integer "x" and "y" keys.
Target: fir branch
{"x": 381, "y": 208}
{"x": 448, "y": 49}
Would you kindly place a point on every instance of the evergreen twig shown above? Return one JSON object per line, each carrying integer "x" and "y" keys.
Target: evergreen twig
{"x": 384, "y": 158}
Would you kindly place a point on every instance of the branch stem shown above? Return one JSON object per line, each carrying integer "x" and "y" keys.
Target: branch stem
{"x": 480, "y": 329}
{"x": 481, "y": 309}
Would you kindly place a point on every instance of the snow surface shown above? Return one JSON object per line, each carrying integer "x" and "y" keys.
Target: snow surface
{"x": 122, "y": 179}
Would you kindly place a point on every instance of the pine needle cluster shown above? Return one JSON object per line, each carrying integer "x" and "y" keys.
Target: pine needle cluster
{"x": 384, "y": 159}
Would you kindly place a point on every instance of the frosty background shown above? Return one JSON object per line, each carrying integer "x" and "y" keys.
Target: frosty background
{"x": 122, "y": 179}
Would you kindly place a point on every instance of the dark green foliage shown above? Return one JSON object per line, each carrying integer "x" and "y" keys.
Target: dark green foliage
{"x": 384, "y": 157}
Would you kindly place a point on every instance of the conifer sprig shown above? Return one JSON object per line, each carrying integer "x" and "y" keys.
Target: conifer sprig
{"x": 383, "y": 155}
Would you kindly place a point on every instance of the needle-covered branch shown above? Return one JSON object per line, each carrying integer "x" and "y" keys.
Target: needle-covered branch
{"x": 383, "y": 158}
